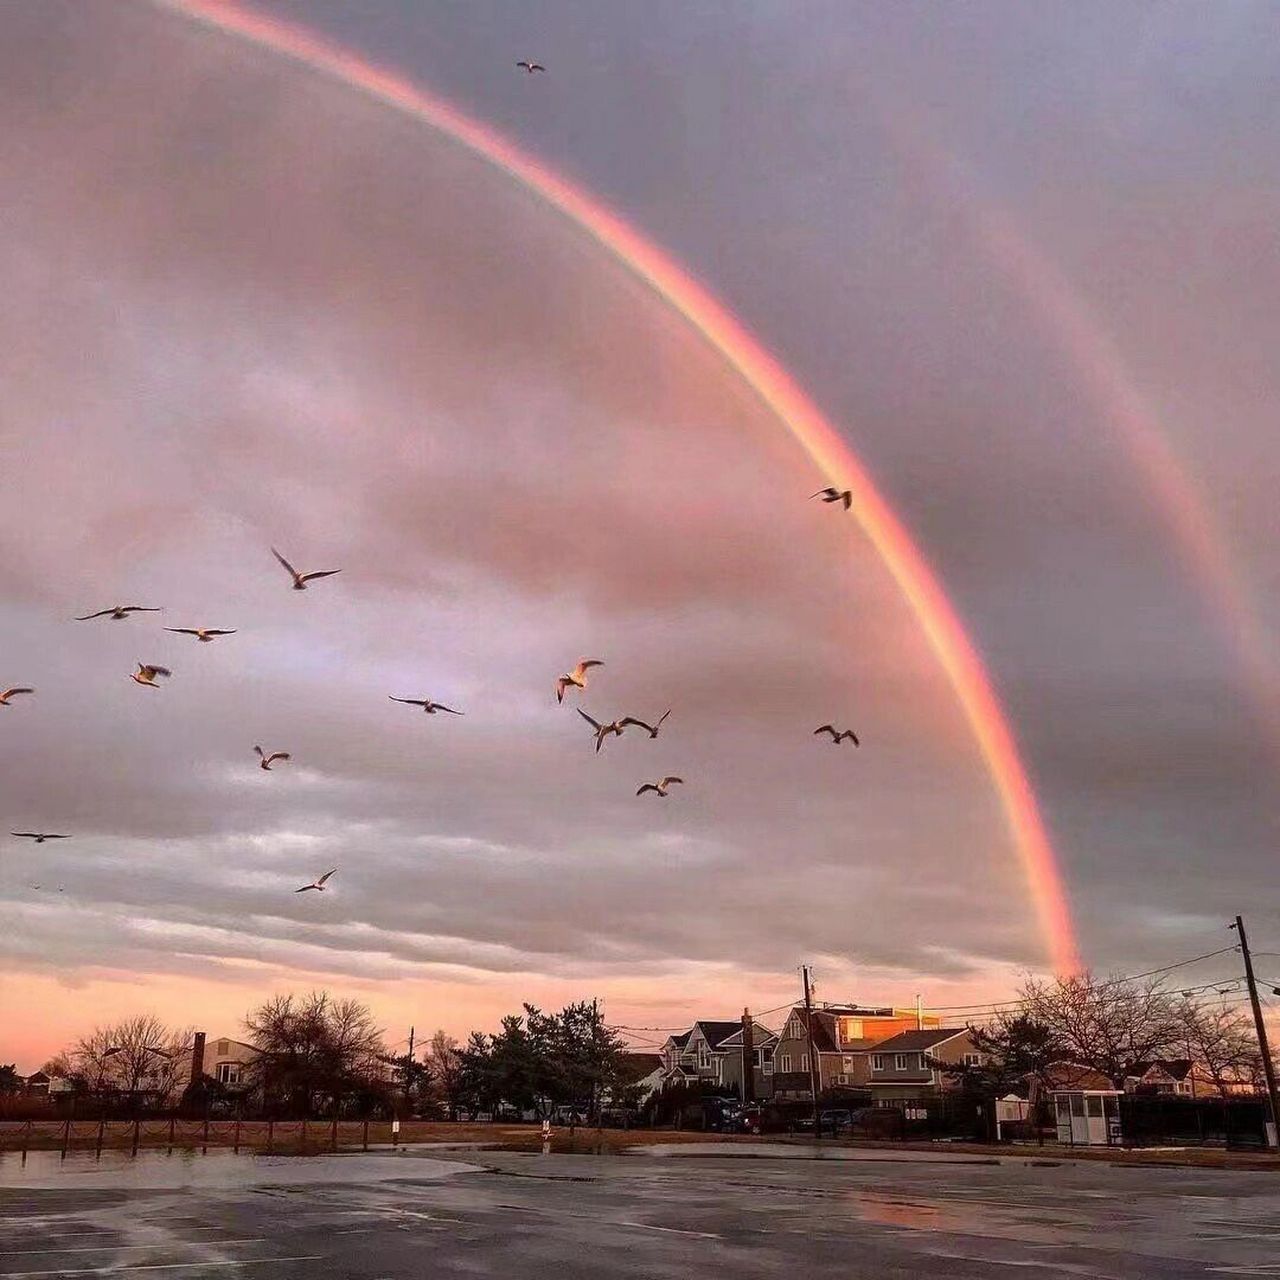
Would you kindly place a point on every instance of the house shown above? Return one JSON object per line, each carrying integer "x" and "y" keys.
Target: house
{"x": 642, "y": 1073}
{"x": 1067, "y": 1077}
{"x": 905, "y": 1070}
{"x": 710, "y": 1053}
{"x": 1177, "y": 1076}
{"x": 843, "y": 1038}
{"x": 763, "y": 1046}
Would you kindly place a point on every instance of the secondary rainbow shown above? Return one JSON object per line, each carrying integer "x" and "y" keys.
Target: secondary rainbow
{"x": 823, "y": 444}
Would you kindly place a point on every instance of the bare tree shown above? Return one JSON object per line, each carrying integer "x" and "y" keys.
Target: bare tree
{"x": 137, "y": 1057}
{"x": 444, "y": 1063}
{"x": 1221, "y": 1040}
{"x": 315, "y": 1050}
{"x": 1108, "y": 1025}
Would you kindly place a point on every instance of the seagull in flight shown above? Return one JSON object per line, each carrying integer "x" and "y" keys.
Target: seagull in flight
{"x": 659, "y": 787}
{"x": 530, "y": 67}
{"x": 427, "y": 705}
{"x": 40, "y": 886}
{"x": 832, "y": 494}
{"x": 651, "y": 729}
{"x": 203, "y": 634}
{"x": 838, "y": 737}
{"x": 300, "y": 580}
{"x": 577, "y": 677}
{"x": 38, "y": 836}
{"x": 119, "y": 612}
{"x": 264, "y": 760}
{"x": 318, "y": 884}
{"x": 146, "y": 674}
{"x": 8, "y": 693}
{"x": 602, "y": 731}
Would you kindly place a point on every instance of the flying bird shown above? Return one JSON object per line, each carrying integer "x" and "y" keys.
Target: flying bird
{"x": 319, "y": 884}
{"x": 577, "y": 677}
{"x": 203, "y": 634}
{"x": 530, "y": 67}
{"x": 38, "y": 836}
{"x": 660, "y": 787}
{"x": 40, "y": 886}
{"x": 651, "y": 729}
{"x": 119, "y": 612}
{"x": 265, "y": 760}
{"x": 8, "y": 693}
{"x": 602, "y": 731}
{"x": 427, "y": 705}
{"x": 146, "y": 674}
{"x": 300, "y": 580}
{"x": 838, "y": 737}
{"x": 831, "y": 494}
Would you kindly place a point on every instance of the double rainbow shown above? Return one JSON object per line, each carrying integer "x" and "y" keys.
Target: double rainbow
{"x": 815, "y": 435}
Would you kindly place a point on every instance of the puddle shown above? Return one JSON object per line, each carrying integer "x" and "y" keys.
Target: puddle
{"x": 168, "y": 1170}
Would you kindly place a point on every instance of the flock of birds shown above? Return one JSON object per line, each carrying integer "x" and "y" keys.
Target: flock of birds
{"x": 149, "y": 673}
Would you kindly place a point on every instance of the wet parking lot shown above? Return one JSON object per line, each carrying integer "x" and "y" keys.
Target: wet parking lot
{"x": 418, "y": 1214}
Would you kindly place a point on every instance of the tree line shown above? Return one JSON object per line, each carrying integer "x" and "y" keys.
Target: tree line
{"x": 1111, "y": 1026}
{"x": 317, "y": 1055}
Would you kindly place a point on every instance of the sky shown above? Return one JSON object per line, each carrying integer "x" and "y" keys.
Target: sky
{"x": 246, "y": 306}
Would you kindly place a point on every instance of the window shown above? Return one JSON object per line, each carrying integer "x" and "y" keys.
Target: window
{"x": 224, "y": 1047}
{"x": 228, "y": 1073}
{"x": 804, "y": 1062}
{"x": 704, "y": 1056}
{"x": 973, "y": 1059}
{"x": 902, "y": 1062}
{"x": 877, "y": 1062}
{"x": 846, "y": 1062}
{"x": 920, "y": 1061}
{"x": 784, "y": 1062}
{"x": 768, "y": 1067}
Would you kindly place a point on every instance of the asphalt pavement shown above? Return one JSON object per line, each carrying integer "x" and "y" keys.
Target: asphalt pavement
{"x": 529, "y": 1217}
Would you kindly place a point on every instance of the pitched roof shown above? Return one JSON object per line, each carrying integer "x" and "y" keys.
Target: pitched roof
{"x": 906, "y": 1041}
{"x": 824, "y": 1028}
{"x": 682, "y": 1039}
{"x": 717, "y": 1032}
{"x": 639, "y": 1065}
{"x": 1071, "y": 1075}
{"x": 759, "y": 1036}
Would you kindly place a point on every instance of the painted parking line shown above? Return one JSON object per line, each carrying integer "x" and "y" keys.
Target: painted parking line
{"x": 165, "y": 1266}
{"x": 112, "y": 1248}
{"x": 674, "y": 1231}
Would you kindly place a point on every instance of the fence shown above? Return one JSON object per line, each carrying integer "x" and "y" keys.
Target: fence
{"x": 1161, "y": 1119}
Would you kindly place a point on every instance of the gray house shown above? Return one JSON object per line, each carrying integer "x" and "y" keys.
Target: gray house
{"x": 903, "y": 1070}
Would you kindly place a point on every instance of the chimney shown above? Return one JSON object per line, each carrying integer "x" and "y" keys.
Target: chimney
{"x": 748, "y": 1059}
{"x": 197, "y": 1058}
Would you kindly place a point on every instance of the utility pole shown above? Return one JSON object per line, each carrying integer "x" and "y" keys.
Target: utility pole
{"x": 748, "y": 1059}
{"x": 1273, "y": 1106}
{"x": 408, "y": 1073}
{"x": 919, "y": 1013}
{"x": 813, "y": 1057}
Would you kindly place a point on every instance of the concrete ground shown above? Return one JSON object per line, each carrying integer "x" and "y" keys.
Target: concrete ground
{"x": 525, "y": 1216}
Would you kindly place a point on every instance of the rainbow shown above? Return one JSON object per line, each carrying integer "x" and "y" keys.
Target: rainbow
{"x": 817, "y": 437}
{"x": 1101, "y": 368}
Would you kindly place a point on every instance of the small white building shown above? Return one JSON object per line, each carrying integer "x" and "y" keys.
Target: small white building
{"x": 1087, "y": 1117}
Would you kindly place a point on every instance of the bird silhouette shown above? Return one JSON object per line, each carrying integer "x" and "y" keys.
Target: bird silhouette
{"x": 838, "y": 736}
{"x": 577, "y": 678}
{"x": 530, "y": 67}
{"x": 832, "y": 494}
{"x": 203, "y": 634}
{"x": 650, "y": 729}
{"x": 602, "y": 731}
{"x": 427, "y": 705}
{"x": 264, "y": 760}
{"x": 660, "y": 787}
{"x": 300, "y": 580}
{"x": 318, "y": 884}
{"x": 9, "y": 693}
{"x": 118, "y": 612}
{"x": 39, "y": 836}
{"x": 146, "y": 674}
